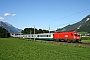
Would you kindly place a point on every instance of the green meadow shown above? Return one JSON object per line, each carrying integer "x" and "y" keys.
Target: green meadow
{"x": 18, "y": 49}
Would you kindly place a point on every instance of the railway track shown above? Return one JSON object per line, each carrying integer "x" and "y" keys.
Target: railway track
{"x": 65, "y": 43}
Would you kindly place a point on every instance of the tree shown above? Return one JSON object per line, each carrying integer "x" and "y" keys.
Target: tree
{"x": 45, "y": 31}
{"x": 4, "y": 33}
{"x": 40, "y": 31}
{"x": 31, "y": 31}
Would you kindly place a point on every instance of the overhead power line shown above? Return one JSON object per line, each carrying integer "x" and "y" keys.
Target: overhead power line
{"x": 69, "y": 16}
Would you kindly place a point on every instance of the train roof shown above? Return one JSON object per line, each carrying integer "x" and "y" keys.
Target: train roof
{"x": 64, "y": 31}
{"x": 46, "y": 33}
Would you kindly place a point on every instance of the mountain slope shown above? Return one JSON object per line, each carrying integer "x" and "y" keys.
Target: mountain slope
{"x": 9, "y": 27}
{"x": 82, "y": 26}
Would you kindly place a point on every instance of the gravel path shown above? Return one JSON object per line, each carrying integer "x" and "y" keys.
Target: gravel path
{"x": 65, "y": 43}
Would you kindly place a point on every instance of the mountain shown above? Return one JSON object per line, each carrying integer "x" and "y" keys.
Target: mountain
{"x": 81, "y": 26}
{"x": 9, "y": 27}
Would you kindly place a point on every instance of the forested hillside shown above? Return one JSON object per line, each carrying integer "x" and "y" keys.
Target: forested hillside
{"x": 81, "y": 26}
{"x": 10, "y": 28}
{"x": 4, "y": 33}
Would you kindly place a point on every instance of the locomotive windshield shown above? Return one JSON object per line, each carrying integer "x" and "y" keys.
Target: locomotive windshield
{"x": 77, "y": 35}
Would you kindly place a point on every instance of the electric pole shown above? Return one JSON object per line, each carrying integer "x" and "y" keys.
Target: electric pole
{"x": 34, "y": 32}
{"x": 49, "y": 28}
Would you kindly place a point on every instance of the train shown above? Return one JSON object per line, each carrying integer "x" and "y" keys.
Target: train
{"x": 71, "y": 36}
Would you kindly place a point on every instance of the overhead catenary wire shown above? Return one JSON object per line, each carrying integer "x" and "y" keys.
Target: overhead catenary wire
{"x": 66, "y": 17}
{"x": 69, "y": 15}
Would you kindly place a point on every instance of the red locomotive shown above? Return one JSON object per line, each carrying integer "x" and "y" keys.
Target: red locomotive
{"x": 71, "y": 36}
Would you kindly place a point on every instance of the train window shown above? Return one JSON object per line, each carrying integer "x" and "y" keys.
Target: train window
{"x": 12, "y": 34}
{"x": 28, "y": 35}
{"x": 40, "y": 35}
{"x": 49, "y": 35}
{"x": 43, "y": 35}
{"x": 37, "y": 35}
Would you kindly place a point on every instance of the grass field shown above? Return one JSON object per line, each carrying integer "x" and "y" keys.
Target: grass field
{"x": 17, "y": 49}
{"x": 86, "y": 41}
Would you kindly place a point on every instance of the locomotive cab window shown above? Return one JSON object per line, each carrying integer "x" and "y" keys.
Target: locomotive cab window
{"x": 77, "y": 35}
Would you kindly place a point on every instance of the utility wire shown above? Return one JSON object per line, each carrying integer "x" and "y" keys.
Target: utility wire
{"x": 68, "y": 16}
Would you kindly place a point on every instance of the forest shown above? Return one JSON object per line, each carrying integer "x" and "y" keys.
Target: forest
{"x": 31, "y": 31}
{"x": 4, "y": 33}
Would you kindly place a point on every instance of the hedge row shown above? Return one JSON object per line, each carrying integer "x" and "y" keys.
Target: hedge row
{"x": 85, "y": 38}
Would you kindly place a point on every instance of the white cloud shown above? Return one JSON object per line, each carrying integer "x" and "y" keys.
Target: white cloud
{"x": 13, "y": 14}
{"x": 6, "y": 14}
{"x": 26, "y": 27}
{"x": 1, "y": 18}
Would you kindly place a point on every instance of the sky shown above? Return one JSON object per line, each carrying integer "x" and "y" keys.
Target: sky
{"x": 43, "y": 13}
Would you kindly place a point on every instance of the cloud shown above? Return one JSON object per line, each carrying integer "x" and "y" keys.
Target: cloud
{"x": 6, "y": 14}
{"x": 13, "y": 14}
{"x": 26, "y": 27}
{"x": 1, "y": 18}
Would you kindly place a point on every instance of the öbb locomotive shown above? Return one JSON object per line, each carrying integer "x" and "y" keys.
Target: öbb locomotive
{"x": 71, "y": 36}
